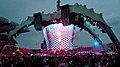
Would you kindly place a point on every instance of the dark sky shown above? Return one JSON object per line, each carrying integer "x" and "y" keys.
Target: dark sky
{"x": 18, "y": 10}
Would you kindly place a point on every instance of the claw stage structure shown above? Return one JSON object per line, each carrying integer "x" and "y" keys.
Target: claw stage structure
{"x": 76, "y": 14}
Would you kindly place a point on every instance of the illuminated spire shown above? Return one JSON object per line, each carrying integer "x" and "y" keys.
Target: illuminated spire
{"x": 58, "y": 5}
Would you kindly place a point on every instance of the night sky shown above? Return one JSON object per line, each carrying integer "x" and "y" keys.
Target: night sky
{"x": 18, "y": 10}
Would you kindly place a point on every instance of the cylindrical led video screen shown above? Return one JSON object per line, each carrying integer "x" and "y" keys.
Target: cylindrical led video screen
{"x": 59, "y": 37}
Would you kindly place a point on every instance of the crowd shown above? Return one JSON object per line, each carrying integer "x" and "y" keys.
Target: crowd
{"x": 61, "y": 61}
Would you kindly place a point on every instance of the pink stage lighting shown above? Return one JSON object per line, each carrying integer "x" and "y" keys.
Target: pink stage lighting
{"x": 59, "y": 37}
